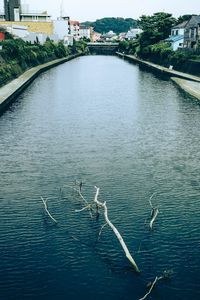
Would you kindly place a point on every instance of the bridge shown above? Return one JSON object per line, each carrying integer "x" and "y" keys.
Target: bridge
{"x": 103, "y": 48}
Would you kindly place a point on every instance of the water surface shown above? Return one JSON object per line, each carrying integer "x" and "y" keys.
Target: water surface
{"x": 104, "y": 121}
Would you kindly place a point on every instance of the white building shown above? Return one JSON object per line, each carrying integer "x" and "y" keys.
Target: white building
{"x": 61, "y": 27}
{"x": 2, "y": 14}
{"x": 86, "y": 32}
{"x": 109, "y": 36}
{"x": 75, "y": 29}
{"x": 17, "y": 31}
{"x": 68, "y": 40}
{"x": 29, "y": 15}
{"x": 133, "y": 33}
{"x": 33, "y": 37}
{"x": 35, "y": 17}
{"x": 176, "y": 39}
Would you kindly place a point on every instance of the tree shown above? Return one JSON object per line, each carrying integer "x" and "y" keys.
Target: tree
{"x": 155, "y": 29}
{"x": 184, "y": 18}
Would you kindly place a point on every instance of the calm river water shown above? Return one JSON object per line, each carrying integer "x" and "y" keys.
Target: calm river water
{"x": 104, "y": 121}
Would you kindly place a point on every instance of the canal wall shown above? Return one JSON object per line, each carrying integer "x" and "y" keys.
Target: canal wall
{"x": 189, "y": 83}
{"x": 159, "y": 69}
{"x": 190, "y": 87}
{"x": 13, "y": 89}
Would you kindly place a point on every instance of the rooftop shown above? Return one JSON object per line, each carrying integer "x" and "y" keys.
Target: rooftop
{"x": 174, "y": 38}
{"x": 181, "y": 25}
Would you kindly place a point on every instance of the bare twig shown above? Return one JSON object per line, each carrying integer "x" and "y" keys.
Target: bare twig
{"x": 100, "y": 232}
{"x": 47, "y": 211}
{"x": 151, "y": 199}
{"x": 151, "y": 288}
{"x": 166, "y": 275}
{"x": 154, "y": 211}
{"x": 78, "y": 191}
{"x": 84, "y": 208}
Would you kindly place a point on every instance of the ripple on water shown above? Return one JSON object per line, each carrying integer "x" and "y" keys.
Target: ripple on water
{"x": 127, "y": 132}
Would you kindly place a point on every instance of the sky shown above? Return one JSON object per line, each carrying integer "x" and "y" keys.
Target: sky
{"x": 90, "y": 10}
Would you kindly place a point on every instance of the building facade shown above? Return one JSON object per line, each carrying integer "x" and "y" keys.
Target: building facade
{"x": 86, "y": 32}
{"x": 12, "y": 10}
{"x": 176, "y": 39}
{"x": 75, "y": 29}
{"x": 192, "y": 33}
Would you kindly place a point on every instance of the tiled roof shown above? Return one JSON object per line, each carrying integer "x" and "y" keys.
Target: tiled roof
{"x": 74, "y": 22}
{"x": 181, "y": 25}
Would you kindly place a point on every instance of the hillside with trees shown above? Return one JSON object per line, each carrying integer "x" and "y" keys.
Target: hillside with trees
{"x": 117, "y": 25}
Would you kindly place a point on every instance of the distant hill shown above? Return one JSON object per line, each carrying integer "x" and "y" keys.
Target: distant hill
{"x": 115, "y": 24}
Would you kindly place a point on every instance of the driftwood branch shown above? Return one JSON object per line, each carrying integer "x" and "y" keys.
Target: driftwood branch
{"x": 84, "y": 208}
{"x": 116, "y": 232}
{"x": 154, "y": 212}
{"x": 166, "y": 275}
{"x": 100, "y": 232}
{"x": 47, "y": 211}
{"x": 79, "y": 192}
{"x": 151, "y": 287}
{"x": 88, "y": 206}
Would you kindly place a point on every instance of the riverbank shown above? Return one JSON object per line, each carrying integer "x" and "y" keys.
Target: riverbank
{"x": 189, "y": 83}
{"x": 190, "y": 87}
{"x": 159, "y": 68}
{"x": 10, "y": 91}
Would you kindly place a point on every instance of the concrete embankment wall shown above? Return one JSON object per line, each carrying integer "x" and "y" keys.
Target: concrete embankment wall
{"x": 13, "y": 89}
{"x": 159, "y": 69}
{"x": 190, "y": 87}
{"x": 186, "y": 82}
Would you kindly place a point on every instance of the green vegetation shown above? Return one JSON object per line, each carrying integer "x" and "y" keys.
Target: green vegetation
{"x": 117, "y": 25}
{"x": 150, "y": 44}
{"x": 155, "y": 29}
{"x": 17, "y": 56}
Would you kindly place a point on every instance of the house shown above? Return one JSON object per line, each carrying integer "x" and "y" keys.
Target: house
{"x": 61, "y": 27}
{"x": 133, "y": 33}
{"x": 192, "y": 33}
{"x": 109, "y": 36}
{"x": 96, "y": 36}
{"x": 35, "y": 17}
{"x": 176, "y": 39}
{"x": 86, "y": 32}
{"x": 75, "y": 29}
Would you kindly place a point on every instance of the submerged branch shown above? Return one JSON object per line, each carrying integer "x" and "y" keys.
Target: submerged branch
{"x": 154, "y": 212}
{"x": 47, "y": 211}
{"x": 116, "y": 232}
{"x": 151, "y": 288}
{"x": 100, "y": 232}
{"x": 166, "y": 275}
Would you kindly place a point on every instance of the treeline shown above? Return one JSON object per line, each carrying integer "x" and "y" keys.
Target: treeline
{"x": 18, "y": 56}
{"x": 117, "y": 25}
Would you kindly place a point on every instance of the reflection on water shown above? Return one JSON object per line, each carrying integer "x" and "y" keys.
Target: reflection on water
{"x": 104, "y": 121}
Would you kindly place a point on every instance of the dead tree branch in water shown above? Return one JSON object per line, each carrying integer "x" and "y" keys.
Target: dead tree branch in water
{"x": 116, "y": 232}
{"x": 47, "y": 211}
{"x": 154, "y": 212}
{"x": 166, "y": 275}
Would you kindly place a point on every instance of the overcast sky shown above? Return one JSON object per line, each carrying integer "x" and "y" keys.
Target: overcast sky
{"x": 93, "y": 9}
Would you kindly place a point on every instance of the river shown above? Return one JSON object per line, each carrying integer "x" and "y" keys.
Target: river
{"x": 103, "y": 121}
